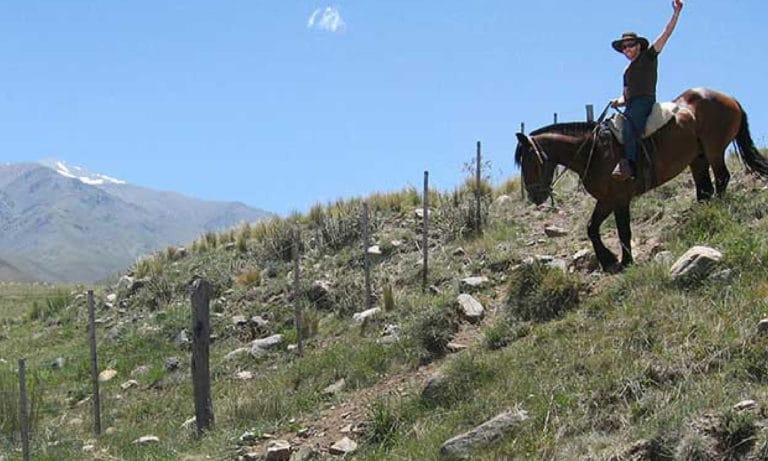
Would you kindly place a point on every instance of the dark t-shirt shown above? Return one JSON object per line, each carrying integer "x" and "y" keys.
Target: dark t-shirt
{"x": 640, "y": 76}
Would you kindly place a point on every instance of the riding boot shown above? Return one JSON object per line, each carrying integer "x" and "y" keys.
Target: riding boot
{"x": 624, "y": 170}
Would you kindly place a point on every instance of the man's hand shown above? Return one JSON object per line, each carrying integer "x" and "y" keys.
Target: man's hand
{"x": 618, "y": 102}
{"x": 677, "y": 5}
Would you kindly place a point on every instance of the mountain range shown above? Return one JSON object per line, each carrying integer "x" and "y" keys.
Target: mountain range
{"x": 60, "y": 223}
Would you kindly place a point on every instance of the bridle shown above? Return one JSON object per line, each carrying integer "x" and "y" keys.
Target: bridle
{"x": 542, "y": 156}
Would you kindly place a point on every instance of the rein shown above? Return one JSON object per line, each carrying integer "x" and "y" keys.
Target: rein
{"x": 593, "y": 136}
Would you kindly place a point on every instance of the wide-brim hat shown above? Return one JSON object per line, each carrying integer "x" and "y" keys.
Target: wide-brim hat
{"x": 616, "y": 44}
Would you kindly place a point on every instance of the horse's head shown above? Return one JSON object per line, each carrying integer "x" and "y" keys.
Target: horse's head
{"x": 536, "y": 169}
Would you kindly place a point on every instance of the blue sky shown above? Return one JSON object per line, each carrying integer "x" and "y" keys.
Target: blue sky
{"x": 282, "y": 104}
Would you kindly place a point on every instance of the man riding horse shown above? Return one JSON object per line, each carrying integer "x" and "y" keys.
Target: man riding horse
{"x": 639, "y": 88}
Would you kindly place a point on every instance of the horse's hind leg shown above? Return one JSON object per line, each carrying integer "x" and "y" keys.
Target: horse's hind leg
{"x": 607, "y": 259}
{"x": 700, "y": 172}
{"x": 714, "y": 150}
{"x": 625, "y": 233}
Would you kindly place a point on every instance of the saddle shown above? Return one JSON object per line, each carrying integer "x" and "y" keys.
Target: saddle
{"x": 661, "y": 114}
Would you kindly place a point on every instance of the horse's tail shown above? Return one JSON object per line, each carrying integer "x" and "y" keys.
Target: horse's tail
{"x": 747, "y": 150}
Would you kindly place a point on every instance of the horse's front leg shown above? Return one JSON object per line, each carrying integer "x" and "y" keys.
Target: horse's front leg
{"x": 625, "y": 233}
{"x": 606, "y": 259}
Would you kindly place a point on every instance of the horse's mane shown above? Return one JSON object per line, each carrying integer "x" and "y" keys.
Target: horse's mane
{"x": 567, "y": 129}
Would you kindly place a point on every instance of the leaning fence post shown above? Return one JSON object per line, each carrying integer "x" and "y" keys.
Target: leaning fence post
{"x": 478, "y": 192}
{"x": 297, "y": 291}
{"x": 366, "y": 258}
{"x": 94, "y": 363}
{"x": 23, "y": 409}
{"x": 425, "y": 233}
{"x": 201, "y": 376}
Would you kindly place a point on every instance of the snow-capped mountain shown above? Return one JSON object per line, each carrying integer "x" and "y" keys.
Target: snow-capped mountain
{"x": 79, "y": 173}
{"x": 60, "y": 223}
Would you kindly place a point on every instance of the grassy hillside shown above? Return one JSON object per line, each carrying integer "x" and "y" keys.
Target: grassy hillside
{"x": 607, "y": 367}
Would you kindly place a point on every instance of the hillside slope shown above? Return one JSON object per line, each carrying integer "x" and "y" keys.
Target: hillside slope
{"x": 606, "y": 367}
{"x": 58, "y": 228}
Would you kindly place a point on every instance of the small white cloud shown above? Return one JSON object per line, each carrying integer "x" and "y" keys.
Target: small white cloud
{"x": 328, "y": 19}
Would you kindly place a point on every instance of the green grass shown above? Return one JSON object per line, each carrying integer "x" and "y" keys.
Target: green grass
{"x": 598, "y": 361}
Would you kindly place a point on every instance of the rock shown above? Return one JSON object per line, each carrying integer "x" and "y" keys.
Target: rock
{"x": 554, "y": 231}
{"x": 278, "y": 450}
{"x": 470, "y": 308}
{"x": 664, "y": 257}
{"x": 745, "y": 405}
{"x": 697, "y": 262}
{"x": 182, "y": 338}
{"x": 419, "y": 212}
{"x": 374, "y": 250}
{"x": 319, "y": 294}
{"x": 362, "y": 317}
{"x": 455, "y": 347}
{"x": 304, "y": 454}
{"x": 473, "y": 283}
{"x": 502, "y": 202}
{"x": 336, "y": 387}
{"x": 459, "y": 252}
{"x": 584, "y": 260}
{"x": 172, "y": 364}
{"x": 434, "y": 388}
{"x": 129, "y": 384}
{"x": 463, "y": 446}
{"x": 111, "y": 298}
{"x": 343, "y": 447}
{"x": 146, "y": 440}
{"x": 237, "y": 353}
{"x": 258, "y": 346}
{"x": 762, "y": 326}
{"x": 59, "y": 363}
{"x": 141, "y": 370}
{"x": 247, "y": 437}
{"x": 244, "y": 375}
{"x": 239, "y": 320}
{"x": 107, "y": 375}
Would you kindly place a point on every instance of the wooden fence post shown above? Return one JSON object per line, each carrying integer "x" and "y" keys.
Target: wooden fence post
{"x": 201, "y": 336}
{"x": 425, "y": 236}
{"x": 297, "y": 291}
{"x": 94, "y": 363}
{"x": 522, "y": 127}
{"x": 23, "y": 409}
{"x": 590, "y": 113}
{"x": 478, "y": 192}
{"x": 555, "y": 118}
{"x": 367, "y": 258}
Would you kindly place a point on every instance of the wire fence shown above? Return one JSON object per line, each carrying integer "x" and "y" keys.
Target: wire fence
{"x": 23, "y": 404}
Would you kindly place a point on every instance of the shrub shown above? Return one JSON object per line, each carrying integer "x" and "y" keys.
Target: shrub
{"x": 434, "y": 330}
{"x": 382, "y": 423}
{"x": 540, "y": 293}
{"x": 9, "y": 402}
{"x": 52, "y": 306}
{"x": 248, "y": 278}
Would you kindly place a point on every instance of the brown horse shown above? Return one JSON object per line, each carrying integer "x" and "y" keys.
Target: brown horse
{"x": 696, "y": 138}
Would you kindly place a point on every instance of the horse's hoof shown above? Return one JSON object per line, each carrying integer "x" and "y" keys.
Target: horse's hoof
{"x": 615, "y": 268}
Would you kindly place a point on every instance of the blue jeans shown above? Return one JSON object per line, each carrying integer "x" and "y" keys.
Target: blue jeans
{"x": 637, "y": 112}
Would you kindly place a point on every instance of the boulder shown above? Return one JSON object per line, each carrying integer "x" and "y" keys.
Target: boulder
{"x": 470, "y": 308}
{"x": 696, "y": 263}
{"x": 463, "y": 446}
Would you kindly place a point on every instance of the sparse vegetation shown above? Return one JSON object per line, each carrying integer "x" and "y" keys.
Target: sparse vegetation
{"x": 607, "y": 366}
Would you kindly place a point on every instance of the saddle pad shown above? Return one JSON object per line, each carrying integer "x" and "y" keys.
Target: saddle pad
{"x": 661, "y": 113}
